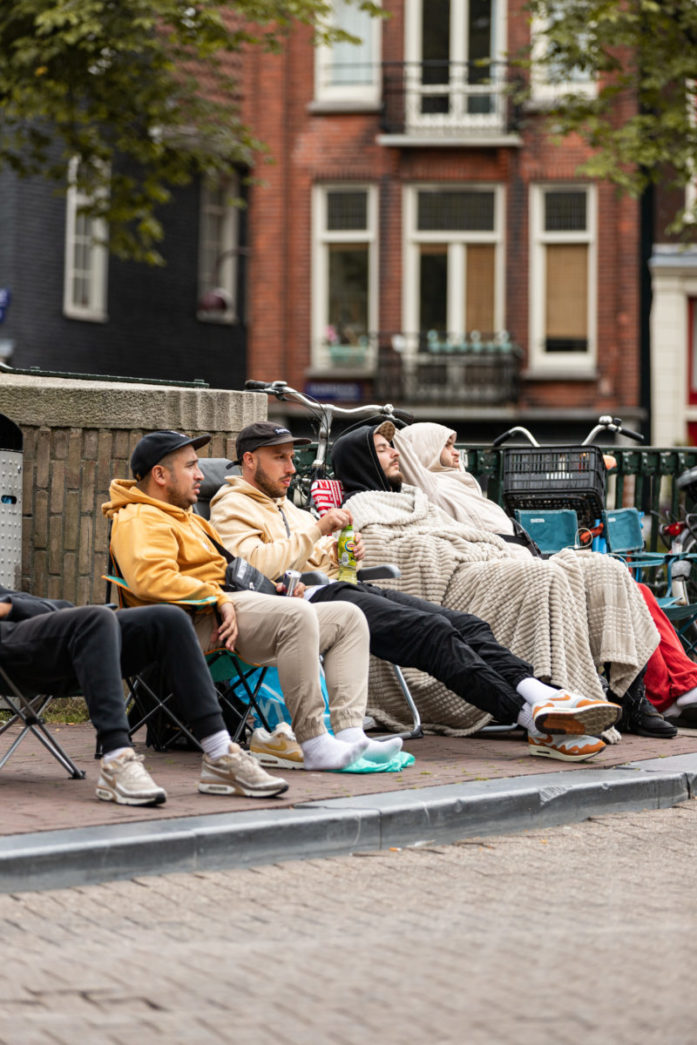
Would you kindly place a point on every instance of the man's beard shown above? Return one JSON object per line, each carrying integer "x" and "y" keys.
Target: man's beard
{"x": 266, "y": 485}
{"x": 395, "y": 482}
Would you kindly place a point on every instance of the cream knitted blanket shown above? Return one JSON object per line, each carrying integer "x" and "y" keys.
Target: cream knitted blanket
{"x": 567, "y": 616}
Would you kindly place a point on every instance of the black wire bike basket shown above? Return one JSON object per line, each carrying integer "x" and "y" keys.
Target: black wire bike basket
{"x": 555, "y": 477}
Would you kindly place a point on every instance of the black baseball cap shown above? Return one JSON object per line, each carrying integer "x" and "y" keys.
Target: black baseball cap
{"x": 154, "y": 446}
{"x": 265, "y": 433}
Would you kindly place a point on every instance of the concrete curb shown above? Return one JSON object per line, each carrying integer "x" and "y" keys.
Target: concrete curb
{"x": 81, "y": 856}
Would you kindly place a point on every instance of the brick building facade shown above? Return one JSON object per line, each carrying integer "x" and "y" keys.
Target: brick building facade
{"x": 419, "y": 237}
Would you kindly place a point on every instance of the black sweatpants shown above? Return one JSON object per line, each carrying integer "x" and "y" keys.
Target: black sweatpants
{"x": 458, "y": 649}
{"x": 90, "y": 649}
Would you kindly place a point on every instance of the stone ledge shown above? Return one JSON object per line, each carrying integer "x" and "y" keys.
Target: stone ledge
{"x": 72, "y": 403}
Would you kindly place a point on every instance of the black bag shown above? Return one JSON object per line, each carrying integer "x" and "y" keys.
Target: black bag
{"x": 240, "y": 576}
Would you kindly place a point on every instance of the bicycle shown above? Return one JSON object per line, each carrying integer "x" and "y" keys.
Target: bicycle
{"x": 322, "y": 417}
{"x": 554, "y": 477}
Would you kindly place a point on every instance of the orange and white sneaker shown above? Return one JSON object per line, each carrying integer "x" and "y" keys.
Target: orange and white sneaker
{"x": 564, "y": 748}
{"x": 567, "y": 712}
{"x": 278, "y": 749}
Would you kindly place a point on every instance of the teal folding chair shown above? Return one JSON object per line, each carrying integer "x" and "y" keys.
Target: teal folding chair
{"x": 625, "y": 540}
{"x": 550, "y": 529}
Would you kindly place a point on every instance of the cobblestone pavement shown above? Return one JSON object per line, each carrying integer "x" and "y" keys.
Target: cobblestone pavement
{"x": 578, "y": 933}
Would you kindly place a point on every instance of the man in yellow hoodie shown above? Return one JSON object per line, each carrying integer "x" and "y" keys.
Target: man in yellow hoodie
{"x": 168, "y": 554}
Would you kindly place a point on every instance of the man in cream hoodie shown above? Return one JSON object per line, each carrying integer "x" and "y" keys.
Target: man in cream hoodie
{"x": 257, "y": 521}
{"x": 166, "y": 553}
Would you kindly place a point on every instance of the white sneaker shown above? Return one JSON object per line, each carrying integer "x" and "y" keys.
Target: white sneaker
{"x": 125, "y": 780}
{"x": 567, "y": 712}
{"x": 563, "y": 747}
{"x": 238, "y": 773}
{"x": 279, "y": 748}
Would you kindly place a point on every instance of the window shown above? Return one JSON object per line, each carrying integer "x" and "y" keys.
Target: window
{"x": 562, "y": 276}
{"x": 455, "y": 63}
{"x": 344, "y": 274}
{"x": 549, "y": 83}
{"x": 346, "y": 72}
{"x": 86, "y": 257}
{"x": 218, "y": 253}
{"x": 454, "y": 263}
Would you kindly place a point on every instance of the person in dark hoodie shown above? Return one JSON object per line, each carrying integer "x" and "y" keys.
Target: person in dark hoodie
{"x": 571, "y": 611}
{"x": 256, "y": 521}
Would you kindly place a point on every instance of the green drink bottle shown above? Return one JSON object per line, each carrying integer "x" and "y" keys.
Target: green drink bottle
{"x": 347, "y": 560}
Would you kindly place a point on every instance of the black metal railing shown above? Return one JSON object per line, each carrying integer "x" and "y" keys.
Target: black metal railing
{"x": 473, "y": 370}
{"x": 448, "y": 99}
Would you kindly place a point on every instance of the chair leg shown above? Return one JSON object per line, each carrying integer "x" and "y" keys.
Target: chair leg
{"x": 416, "y": 731}
{"x": 22, "y": 710}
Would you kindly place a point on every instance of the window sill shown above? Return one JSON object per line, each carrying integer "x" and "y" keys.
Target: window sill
{"x": 342, "y": 107}
{"x": 560, "y": 374}
{"x": 462, "y": 140}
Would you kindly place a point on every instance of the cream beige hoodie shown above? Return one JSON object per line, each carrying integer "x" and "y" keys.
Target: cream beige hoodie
{"x": 251, "y": 525}
{"x": 163, "y": 553}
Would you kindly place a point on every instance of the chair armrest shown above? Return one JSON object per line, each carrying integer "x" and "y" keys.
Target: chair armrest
{"x": 385, "y": 571}
{"x": 314, "y": 577}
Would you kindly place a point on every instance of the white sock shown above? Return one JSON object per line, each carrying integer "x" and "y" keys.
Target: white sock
{"x": 687, "y": 699}
{"x": 525, "y": 717}
{"x": 216, "y": 745}
{"x": 533, "y": 691}
{"x": 377, "y": 750}
{"x": 109, "y": 756}
{"x": 326, "y": 752}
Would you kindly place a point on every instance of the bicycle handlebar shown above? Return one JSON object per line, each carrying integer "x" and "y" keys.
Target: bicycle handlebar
{"x": 283, "y": 391}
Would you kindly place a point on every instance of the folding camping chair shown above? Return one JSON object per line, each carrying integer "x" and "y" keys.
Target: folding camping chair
{"x": 215, "y": 471}
{"x": 27, "y": 711}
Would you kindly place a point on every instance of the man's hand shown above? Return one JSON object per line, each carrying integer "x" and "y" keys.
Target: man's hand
{"x": 298, "y": 590}
{"x": 358, "y": 547}
{"x": 334, "y": 519}
{"x": 5, "y": 609}
{"x": 227, "y": 629}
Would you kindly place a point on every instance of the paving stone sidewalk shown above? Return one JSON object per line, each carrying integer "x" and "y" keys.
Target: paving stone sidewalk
{"x": 37, "y": 795}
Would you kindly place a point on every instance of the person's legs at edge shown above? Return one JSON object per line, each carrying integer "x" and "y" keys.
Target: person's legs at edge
{"x": 286, "y": 633}
{"x": 165, "y": 634}
{"x": 81, "y": 648}
{"x": 344, "y": 641}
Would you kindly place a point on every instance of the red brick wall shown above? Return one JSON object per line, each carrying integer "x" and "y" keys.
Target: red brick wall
{"x": 307, "y": 148}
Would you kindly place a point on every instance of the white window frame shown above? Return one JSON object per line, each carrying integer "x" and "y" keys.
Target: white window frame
{"x": 543, "y": 90}
{"x": 98, "y": 257}
{"x": 367, "y": 94}
{"x": 457, "y": 241}
{"x": 459, "y": 42}
{"x": 224, "y": 279}
{"x": 321, "y": 240}
{"x": 539, "y": 358}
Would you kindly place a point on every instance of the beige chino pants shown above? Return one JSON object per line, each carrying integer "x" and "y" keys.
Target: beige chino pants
{"x": 291, "y": 634}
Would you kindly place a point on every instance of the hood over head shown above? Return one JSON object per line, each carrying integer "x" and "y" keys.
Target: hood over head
{"x": 355, "y": 460}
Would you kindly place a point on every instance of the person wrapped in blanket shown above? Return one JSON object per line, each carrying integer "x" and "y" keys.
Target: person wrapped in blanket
{"x": 428, "y": 460}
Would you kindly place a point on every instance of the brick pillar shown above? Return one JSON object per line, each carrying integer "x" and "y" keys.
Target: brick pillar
{"x": 78, "y": 435}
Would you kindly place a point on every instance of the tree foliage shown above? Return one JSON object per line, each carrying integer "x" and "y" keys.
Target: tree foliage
{"x": 141, "y": 92}
{"x": 643, "y": 56}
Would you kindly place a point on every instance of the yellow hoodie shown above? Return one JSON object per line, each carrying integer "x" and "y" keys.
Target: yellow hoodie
{"x": 163, "y": 552}
{"x": 251, "y": 524}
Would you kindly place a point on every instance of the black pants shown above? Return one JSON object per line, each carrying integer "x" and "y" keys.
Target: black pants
{"x": 88, "y": 650}
{"x": 458, "y": 649}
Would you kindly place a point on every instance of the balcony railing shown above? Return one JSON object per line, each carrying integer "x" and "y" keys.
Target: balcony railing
{"x": 473, "y": 370}
{"x": 447, "y": 99}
